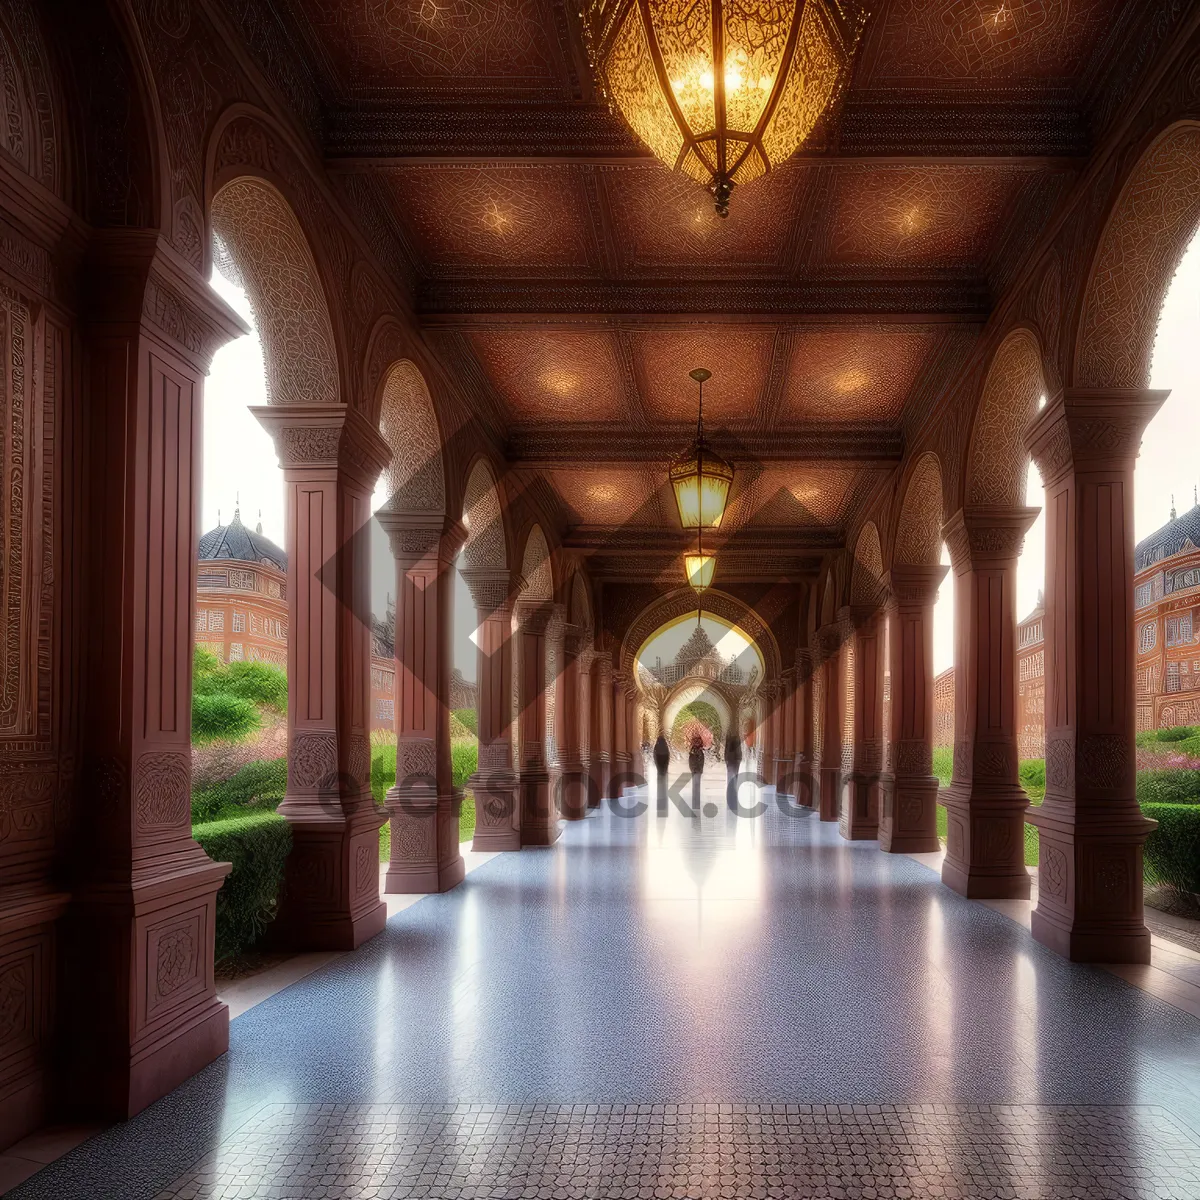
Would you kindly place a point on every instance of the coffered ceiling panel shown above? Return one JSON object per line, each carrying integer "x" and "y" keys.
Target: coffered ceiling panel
{"x": 382, "y": 48}
{"x": 983, "y": 40}
{"x": 859, "y": 374}
{"x": 554, "y": 375}
{"x": 799, "y": 494}
{"x": 935, "y": 216}
{"x": 739, "y": 359}
{"x": 490, "y": 217}
{"x": 613, "y": 496}
{"x": 664, "y": 220}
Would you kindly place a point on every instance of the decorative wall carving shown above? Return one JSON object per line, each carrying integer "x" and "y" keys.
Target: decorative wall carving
{"x": 162, "y": 790}
{"x": 919, "y": 530}
{"x": 262, "y": 248}
{"x": 535, "y": 568}
{"x": 313, "y": 761}
{"x": 867, "y": 572}
{"x": 1052, "y": 875}
{"x": 486, "y": 544}
{"x": 178, "y": 959}
{"x": 416, "y": 479}
{"x": 16, "y": 1003}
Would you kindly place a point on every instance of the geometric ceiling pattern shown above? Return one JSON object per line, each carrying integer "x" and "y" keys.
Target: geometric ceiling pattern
{"x": 570, "y": 282}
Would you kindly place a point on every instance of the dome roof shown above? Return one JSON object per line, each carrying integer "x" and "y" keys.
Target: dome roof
{"x": 239, "y": 544}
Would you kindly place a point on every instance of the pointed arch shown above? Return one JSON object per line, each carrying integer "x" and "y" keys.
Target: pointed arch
{"x": 260, "y": 246}
{"x": 579, "y": 611}
{"x": 415, "y": 478}
{"x": 866, "y": 573}
{"x": 487, "y": 544}
{"x": 918, "y": 538}
{"x": 998, "y": 461}
{"x": 535, "y": 567}
{"x": 1148, "y": 230}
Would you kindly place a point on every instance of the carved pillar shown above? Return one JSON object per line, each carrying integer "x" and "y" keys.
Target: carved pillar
{"x": 494, "y": 784}
{"x": 572, "y": 787}
{"x": 423, "y": 811}
{"x": 805, "y": 784}
{"x": 859, "y": 818}
{"x": 633, "y": 739}
{"x": 331, "y": 459}
{"x": 535, "y": 628}
{"x": 985, "y": 804}
{"x": 785, "y": 747}
{"x": 142, "y": 1010}
{"x": 620, "y": 733}
{"x": 587, "y": 744}
{"x": 602, "y": 714}
{"x": 769, "y": 733}
{"x": 908, "y": 822}
{"x": 829, "y": 641}
{"x": 1091, "y": 828}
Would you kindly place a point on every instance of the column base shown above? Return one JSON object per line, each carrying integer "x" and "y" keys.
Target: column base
{"x": 985, "y": 843}
{"x": 599, "y": 789}
{"x": 425, "y": 856}
{"x": 330, "y": 895}
{"x": 496, "y": 825}
{"x": 908, "y": 822}
{"x": 858, "y": 820}
{"x": 539, "y": 814}
{"x": 1090, "y": 881}
{"x": 574, "y": 787}
{"x": 830, "y": 793}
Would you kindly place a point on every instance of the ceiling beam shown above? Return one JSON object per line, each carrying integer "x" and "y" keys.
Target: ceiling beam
{"x": 466, "y": 303}
{"x": 566, "y": 447}
{"x": 905, "y": 126}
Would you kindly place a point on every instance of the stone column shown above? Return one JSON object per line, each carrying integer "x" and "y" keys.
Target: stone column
{"x": 985, "y": 804}
{"x": 859, "y": 817}
{"x": 785, "y": 747}
{"x": 423, "y": 812}
{"x": 829, "y": 641}
{"x": 805, "y": 782}
{"x": 1091, "y": 828}
{"x": 572, "y": 786}
{"x": 587, "y": 743}
{"x": 141, "y": 1010}
{"x": 602, "y": 714}
{"x": 331, "y": 458}
{"x": 539, "y": 814}
{"x": 769, "y": 733}
{"x": 494, "y": 784}
{"x": 620, "y": 734}
{"x": 633, "y": 739}
{"x": 908, "y": 823}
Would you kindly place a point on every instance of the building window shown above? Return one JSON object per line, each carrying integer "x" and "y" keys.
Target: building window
{"x": 1143, "y": 594}
{"x": 201, "y": 620}
{"x": 255, "y": 623}
{"x": 216, "y": 619}
{"x": 386, "y": 710}
{"x": 1172, "y": 677}
{"x": 1147, "y": 636}
{"x": 1179, "y": 630}
{"x": 239, "y": 622}
{"x": 1185, "y": 579}
{"x": 235, "y": 652}
{"x": 242, "y": 579}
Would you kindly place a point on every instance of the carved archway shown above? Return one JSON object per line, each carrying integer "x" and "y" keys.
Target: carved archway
{"x": 261, "y": 247}
{"x": 535, "y": 568}
{"x": 918, "y": 537}
{"x": 486, "y": 545}
{"x": 681, "y": 603}
{"x": 1151, "y": 224}
{"x": 579, "y": 611}
{"x": 998, "y": 462}
{"x": 415, "y": 479}
{"x": 866, "y": 573}
{"x": 688, "y": 690}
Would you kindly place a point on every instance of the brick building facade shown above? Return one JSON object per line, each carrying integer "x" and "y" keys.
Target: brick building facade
{"x": 242, "y": 612}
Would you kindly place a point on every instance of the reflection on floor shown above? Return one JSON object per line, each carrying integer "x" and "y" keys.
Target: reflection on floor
{"x": 690, "y": 1007}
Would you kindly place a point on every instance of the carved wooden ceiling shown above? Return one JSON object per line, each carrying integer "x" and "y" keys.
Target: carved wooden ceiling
{"x": 570, "y": 282}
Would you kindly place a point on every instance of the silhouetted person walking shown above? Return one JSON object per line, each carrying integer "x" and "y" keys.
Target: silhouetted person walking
{"x": 696, "y": 763}
{"x": 662, "y": 763}
{"x": 733, "y": 766}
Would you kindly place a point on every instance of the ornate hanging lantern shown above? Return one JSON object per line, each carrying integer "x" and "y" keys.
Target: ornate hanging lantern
{"x": 699, "y": 569}
{"x": 784, "y": 63}
{"x": 700, "y": 477}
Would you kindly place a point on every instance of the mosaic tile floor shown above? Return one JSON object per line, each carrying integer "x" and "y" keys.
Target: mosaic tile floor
{"x": 562, "y": 1022}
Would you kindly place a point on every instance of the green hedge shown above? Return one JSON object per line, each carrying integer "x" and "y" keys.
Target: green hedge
{"x": 468, "y": 718}
{"x": 1168, "y": 786}
{"x": 1172, "y": 854}
{"x": 219, "y": 716}
{"x": 257, "y": 787}
{"x": 258, "y": 847}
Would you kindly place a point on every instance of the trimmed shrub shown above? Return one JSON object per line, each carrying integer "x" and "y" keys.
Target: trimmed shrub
{"x": 259, "y": 682}
{"x": 464, "y": 759}
{"x": 383, "y": 770}
{"x": 1172, "y": 853}
{"x": 1168, "y": 786}
{"x": 467, "y": 718}
{"x": 943, "y": 764}
{"x": 216, "y": 715}
{"x": 257, "y": 787}
{"x": 1176, "y": 733}
{"x": 1032, "y": 776}
{"x": 257, "y": 846}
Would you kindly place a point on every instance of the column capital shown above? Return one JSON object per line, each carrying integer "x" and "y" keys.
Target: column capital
{"x": 538, "y": 616}
{"x": 915, "y": 583}
{"x": 325, "y": 437}
{"x": 828, "y": 640}
{"x": 1097, "y": 428}
{"x": 978, "y": 534}
{"x": 415, "y": 536}
{"x": 493, "y": 588}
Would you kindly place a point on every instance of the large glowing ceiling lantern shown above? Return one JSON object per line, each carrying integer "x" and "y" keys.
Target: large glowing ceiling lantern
{"x": 784, "y": 63}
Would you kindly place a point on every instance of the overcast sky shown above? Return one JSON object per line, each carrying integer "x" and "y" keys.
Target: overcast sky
{"x": 240, "y": 459}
